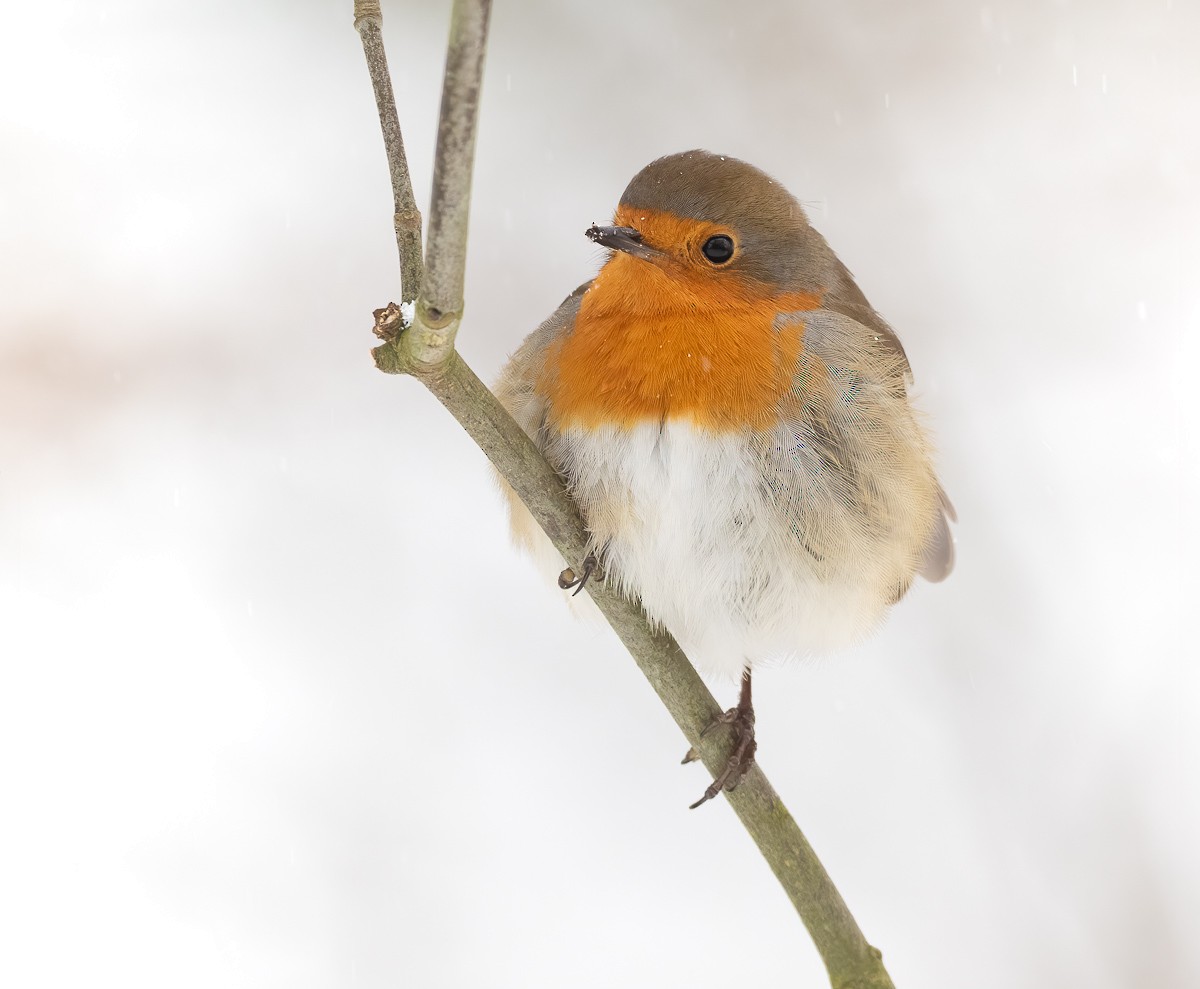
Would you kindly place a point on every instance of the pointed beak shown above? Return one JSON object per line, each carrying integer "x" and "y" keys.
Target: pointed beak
{"x": 622, "y": 239}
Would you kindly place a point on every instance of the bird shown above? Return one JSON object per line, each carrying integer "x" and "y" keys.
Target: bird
{"x": 733, "y": 420}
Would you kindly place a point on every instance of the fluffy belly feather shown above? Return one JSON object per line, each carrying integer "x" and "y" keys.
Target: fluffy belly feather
{"x": 685, "y": 520}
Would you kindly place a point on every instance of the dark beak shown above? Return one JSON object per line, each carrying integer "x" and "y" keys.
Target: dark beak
{"x": 622, "y": 239}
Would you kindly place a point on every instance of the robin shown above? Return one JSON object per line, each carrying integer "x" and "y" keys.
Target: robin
{"x": 732, "y": 418}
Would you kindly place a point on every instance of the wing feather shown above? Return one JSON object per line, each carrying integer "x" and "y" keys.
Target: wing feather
{"x": 849, "y": 468}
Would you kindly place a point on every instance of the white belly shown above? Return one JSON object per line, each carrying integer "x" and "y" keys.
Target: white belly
{"x": 685, "y": 521}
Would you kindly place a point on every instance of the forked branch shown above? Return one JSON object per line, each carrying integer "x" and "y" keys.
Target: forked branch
{"x": 425, "y": 350}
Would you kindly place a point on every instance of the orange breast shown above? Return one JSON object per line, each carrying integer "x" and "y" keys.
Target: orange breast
{"x": 648, "y": 346}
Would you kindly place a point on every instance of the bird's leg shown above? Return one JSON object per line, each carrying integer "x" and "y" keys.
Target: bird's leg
{"x": 741, "y": 723}
{"x": 567, "y": 578}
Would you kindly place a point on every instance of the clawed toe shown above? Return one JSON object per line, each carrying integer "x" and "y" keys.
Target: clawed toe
{"x": 567, "y": 579}
{"x": 740, "y": 759}
{"x": 740, "y": 720}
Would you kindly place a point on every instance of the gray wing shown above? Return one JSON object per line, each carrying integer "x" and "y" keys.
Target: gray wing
{"x": 885, "y": 336}
{"x": 938, "y": 557}
{"x": 852, "y": 471}
{"x": 845, "y": 297}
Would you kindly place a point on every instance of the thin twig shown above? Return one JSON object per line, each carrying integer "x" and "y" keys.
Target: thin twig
{"x": 427, "y": 352}
{"x": 430, "y": 340}
{"x": 368, "y": 21}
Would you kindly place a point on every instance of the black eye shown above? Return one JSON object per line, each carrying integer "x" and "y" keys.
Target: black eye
{"x": 718, "y": 249}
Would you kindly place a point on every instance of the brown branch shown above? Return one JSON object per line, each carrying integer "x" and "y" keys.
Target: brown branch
{"x": 406, "y": 217}
{"x": 425, "y": 350}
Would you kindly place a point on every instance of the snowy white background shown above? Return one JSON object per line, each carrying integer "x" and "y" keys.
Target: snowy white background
{"x": 281, "y": 707}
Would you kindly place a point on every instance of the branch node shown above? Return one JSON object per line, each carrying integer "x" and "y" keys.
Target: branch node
{"x": 433, "y": 318}
{"x": 367, "y": 12}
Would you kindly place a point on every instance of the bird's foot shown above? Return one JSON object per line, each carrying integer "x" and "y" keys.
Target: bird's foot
{"x": 740, "y": 720}
{"x": 568, "y": 579}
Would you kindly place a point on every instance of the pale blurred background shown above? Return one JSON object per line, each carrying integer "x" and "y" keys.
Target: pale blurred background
{"x": 280, "y": 706}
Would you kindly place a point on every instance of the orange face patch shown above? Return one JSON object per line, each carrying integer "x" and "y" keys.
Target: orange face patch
{"x": 675, "y": 338}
